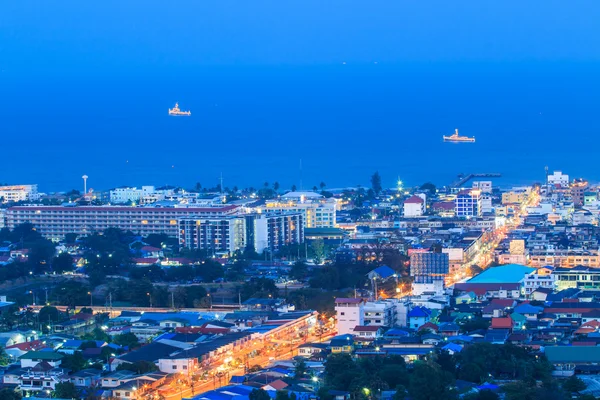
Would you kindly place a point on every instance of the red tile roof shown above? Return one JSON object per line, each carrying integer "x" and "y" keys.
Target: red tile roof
{"x": 28, "y": 346}
{"x": 505, "y": 303}
{"x": 413, "y": 200}
{"x": 429, "y": 325}
{"x": 502, "y": 323}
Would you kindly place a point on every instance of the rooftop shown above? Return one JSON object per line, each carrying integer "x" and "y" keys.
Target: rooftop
{"x": 510, "y": 273}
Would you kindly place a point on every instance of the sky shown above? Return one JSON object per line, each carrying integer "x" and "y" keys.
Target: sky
{"x": 349, "y": 87}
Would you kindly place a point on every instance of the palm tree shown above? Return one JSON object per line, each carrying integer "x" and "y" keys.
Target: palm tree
{"x": 322, "y": 185}
{"x": 293, "y": 188}
{"x": 276, "y": 186}
{"x": 314, "y": 189}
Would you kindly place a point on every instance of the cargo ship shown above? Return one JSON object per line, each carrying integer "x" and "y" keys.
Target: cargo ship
{"x": 177, "y": 112}
{"x": 457, "y": 138}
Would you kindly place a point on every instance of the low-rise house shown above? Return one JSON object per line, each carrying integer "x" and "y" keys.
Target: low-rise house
{"x": 566, "y": 359}
{"x": 310, "y": 349}
{"x": 367, "y": 333}
{"x": 342, "y": 344}
{"x": 86, "y": 378}
{"x": 418, "y": 316}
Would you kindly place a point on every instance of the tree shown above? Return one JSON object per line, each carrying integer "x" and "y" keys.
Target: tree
{"x": 376, "y": 183}
{"x": 48, "y": 315}
{"x": 574, "y": 384}
{"x": 322, "y": 185}
{"x": 66, "y": 390}
{"x": 4, "y": 359}
{"x": 294, "y": 188}
{"x": 300, "y": 369}
{"x": 9, "y": 394}
{"x": 70, "y": 238}
{"x": 429, "y": 187}
{"x": 128, "y": 340}
{"x": 429, "y": 382}
{"x": 62, "y": 262}
{"x": 75, "y": 362}
{"x": 276, "y": 186}
{"x": 318, "y": 250}
{"x": 139, "y": 367}
{"x": 299, "y": 270}
{"x": 281, "y": 395}
{"x": 258, "y": 394}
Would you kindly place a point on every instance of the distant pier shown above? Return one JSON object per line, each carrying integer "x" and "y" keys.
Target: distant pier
{"x": 468, "y": 177}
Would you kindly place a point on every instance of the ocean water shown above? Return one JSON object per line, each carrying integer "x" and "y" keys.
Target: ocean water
{"x": 255, "y": 124}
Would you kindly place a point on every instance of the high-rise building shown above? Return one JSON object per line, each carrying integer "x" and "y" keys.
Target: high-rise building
{"x": 318, "y": 211}
{"x": 429, "y": 264}
{"x": 468, "y": 203}
{"x": 232, "y": 233}
{"x": 578, "y": 189}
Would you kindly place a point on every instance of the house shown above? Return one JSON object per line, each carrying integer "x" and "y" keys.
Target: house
{"x": 429, "y": 326}
{"x": 528, "y": 311}
{"x": 452, "y": 348}
{"x": 17, "y": 350}
{"x": 86, "y": 378}
{"x": 33, "y": 358}
{"x": 502, "y": 323}
{"x": 566, "y": 359}
{"x": 540, "y": 294}
{"x": 342, "y": 344}
{"x": 418, "y": 316}
{"x": 77, "y": 324}
{"x": 116, "y": 378}
{"x": 449, "y": 329}
{"x": 382, "y": 273}
{"x": 368, "y": 333}
{"x": 275, "y": 385}
{"x": 414, "y": 206}
{"x": 519, "y": 320}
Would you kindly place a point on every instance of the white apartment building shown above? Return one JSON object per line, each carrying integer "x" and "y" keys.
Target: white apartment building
{"x": 318, "y": 211}
{"x": 484, "y": 186}
{"x": 379, "y": 313}
{"x": 54, "y": 222}
{"x": 349, "y": 314}
{"x": 558, "y": 178}
{"x": 14, "y": 193}
{"x": 124, "y": 195}
{"x": 231, "y": 233}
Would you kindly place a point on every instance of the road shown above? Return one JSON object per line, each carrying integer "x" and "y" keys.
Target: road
{"x": 484, "y": 257}
{"x": 220, "y": 371}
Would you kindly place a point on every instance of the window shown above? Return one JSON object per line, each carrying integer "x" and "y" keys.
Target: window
{"x": 342, "y": 313}
{"x": 174, "y": 366}
{"x": 184, "y": 367}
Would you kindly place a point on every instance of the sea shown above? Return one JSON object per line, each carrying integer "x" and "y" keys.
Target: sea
{"x": 300, "y": 125}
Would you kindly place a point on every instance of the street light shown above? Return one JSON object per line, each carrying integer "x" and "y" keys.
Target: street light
{"x": 149, "y": 295}
{"x": 91, "y": 299}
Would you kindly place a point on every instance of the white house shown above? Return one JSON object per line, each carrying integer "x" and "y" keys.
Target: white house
{"x": 350, "y": 313}
{"x": 414, "y": 206}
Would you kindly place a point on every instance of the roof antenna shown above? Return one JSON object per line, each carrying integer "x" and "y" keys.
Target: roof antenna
{"x": 300, "y": 174}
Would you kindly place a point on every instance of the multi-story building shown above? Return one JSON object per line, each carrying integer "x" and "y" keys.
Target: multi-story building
{"x": 578, "y": 189}
{"x": 468, "y": 203}
{"x": 558, "y": 178}
{"x": 231, "y": 233}
{"x": 514, "y": 197}
{"x": 567, "y": 258}
{"x": 126, "y": 194}
{"x": 578, "y": 277}
{"x": 380, "y": 313}
{"x": 429, "y": 264}
{"x": 318, "y": 211}
{"x": 484, "y": 186}
{"x": 414, "y": 206}
{"x": 14, "y": 193}
{"x": 349, "y": 314}
{"x": 54, "y": 222}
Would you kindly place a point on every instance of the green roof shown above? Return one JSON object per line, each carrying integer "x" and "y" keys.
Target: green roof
{"x": 573, "y": 354}
{"x": 324, "y": 231}
{"x": 510, "y": 273}
{"x": 517, "y": 317}
{"x": 42, "y": 355}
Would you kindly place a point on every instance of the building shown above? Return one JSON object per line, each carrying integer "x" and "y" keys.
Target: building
{"x": 414, "y": 206}
{"x": 231, "y": 233}
{"x": 379, "y": 313}
{"x": 514, "y": 197}
{"x": 558, "y": 178}
{"x": 484, "y": 186}
{"x": 349, "y": 314}
{"x": 14, "y": 193}
{"x": 126, "y": 194}
{"x": 578, "y": 189}
{"x": 580, "y": 277}
{"x": 429, "y": 264}
{"x": 468, "y": 203}
{"x": 318, "y": 211}
{"x": 54, "y": 222}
